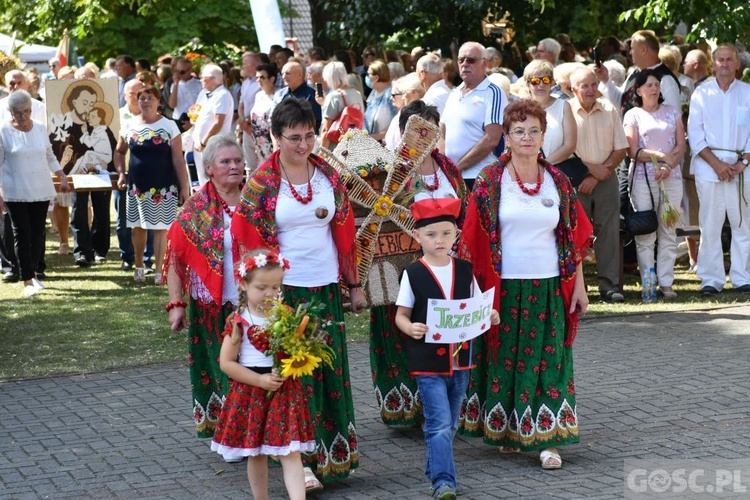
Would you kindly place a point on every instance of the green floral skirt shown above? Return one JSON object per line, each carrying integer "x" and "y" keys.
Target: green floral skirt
{"x": 210, "y": 384}
{"x": 329, "y": 392}
{"x": 395, "y": 389}
{"x": 521, "y": 392}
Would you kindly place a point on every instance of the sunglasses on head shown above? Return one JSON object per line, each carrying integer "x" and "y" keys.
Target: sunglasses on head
{"x": 535, "y": 80}
{"x": 468, "y": 60}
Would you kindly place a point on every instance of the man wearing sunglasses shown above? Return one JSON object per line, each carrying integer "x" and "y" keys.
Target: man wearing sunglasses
{"x": 185, "y": 88}
{"x": 471, "y": 123}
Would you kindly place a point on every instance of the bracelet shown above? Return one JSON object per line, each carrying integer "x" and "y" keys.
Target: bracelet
{"x": 355, "y": 285}
{"x": 176, "y": 303}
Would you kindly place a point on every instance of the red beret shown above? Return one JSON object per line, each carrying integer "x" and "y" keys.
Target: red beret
{"x": 430, "y": 210}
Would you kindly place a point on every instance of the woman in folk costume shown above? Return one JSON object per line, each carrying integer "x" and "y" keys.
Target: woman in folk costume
{"x": 396, "y": 390}
{"x": 199, "y": 262}
{"x": 526, "y": 234}
{"x": 296, "y": 203}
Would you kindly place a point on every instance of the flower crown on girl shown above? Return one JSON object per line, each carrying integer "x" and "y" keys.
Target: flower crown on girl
{"x": 252, "y": 262}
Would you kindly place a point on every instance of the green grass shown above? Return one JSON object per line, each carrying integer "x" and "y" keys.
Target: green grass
{"x": 98, "y": 318}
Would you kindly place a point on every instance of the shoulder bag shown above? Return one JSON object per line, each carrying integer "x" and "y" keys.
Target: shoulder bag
{"x": 350, "y": 117}
{"x": 643, "y": 221}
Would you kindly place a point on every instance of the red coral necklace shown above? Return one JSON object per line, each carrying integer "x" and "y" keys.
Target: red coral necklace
{"x": 536, "y": 189}
{"x": 307, "y": 199}
{"x": 432, "y": 187}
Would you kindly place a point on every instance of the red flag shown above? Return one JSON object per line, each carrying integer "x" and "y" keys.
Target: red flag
{"x": 63, "y": 49}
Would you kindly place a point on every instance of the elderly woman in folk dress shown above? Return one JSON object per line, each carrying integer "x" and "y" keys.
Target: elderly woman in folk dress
{"x": 526, "y": 234}
{"x": 199, "y": 261}
{"x": 296, "y": 203}
{"x": 437, "y": 177}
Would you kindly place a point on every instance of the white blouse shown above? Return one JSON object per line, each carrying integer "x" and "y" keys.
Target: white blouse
{"x": 305, "y": 236}
{"x": 528, "y": 229}
{"x": 26, "y": 161}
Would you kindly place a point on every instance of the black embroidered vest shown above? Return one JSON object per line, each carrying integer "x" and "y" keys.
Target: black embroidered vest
{"x": 436, "y": 359}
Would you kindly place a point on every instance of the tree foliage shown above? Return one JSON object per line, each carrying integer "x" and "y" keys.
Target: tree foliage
{"x": 142, "y": 28}
{"x": 724, "y": 21}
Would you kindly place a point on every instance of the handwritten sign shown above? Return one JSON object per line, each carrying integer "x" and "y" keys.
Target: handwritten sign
{"x": 452, "y": 321}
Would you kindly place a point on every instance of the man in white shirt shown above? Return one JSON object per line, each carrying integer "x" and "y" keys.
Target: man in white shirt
{"x": 248, "y": 91}
{"x": 124, "y": 233}
{"x": 472, "y": 121}
{"x": 185, "y": 89}
{"x": 16, "y": 80}
{"x": 719, "y": 132}
{"x": 215, "y": 115}
{"x": 548, "y": 50}
{"x": 644, "y": 48}
{"x": 430, "y": 74}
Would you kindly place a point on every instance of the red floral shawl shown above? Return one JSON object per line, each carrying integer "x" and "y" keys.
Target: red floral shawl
{"x": 254, "y": 220}
{"x": 196, "y": 239}
{"x": 480, "y": 238}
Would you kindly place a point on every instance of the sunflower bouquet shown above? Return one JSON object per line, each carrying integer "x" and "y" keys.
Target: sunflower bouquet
{"x": 296, "y": 339}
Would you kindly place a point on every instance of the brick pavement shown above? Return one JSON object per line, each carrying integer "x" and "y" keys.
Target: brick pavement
{"x": 664, "y": 386}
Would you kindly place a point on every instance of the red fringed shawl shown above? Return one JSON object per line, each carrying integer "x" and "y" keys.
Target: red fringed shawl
{"x": 480, "y": 238}
{"x": 254, "y": 220}
{"x": 196, "y": 240}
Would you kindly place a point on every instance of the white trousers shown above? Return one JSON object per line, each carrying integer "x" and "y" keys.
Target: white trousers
{"x": 248, "y": 148}
{"x": 717, "y": 201}
{"x": 202, "y": 175}
{"x": 666, "y": 250}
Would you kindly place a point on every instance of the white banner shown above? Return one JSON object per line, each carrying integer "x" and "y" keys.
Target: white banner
{"x": 268, "y": 26}
{"x": 452, "y": 321}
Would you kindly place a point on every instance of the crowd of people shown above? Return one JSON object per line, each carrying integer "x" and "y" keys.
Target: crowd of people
{"x": 220, "y": 186}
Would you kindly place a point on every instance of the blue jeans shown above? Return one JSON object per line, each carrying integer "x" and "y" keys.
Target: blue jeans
{"x": 441, "y": 398}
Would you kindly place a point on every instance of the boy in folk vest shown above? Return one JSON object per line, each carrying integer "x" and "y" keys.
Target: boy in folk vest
{"x": 441, "y": 370}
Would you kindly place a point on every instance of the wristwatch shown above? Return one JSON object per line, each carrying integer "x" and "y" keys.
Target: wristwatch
{"x": 745, "y": 161}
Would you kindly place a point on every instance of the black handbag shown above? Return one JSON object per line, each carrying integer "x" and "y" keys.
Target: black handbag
{"x": 643, "y": 221}
{"x": 575, "y": 169}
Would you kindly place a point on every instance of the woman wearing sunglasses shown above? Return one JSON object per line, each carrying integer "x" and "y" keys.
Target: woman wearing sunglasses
{"x": 560, "y": 138}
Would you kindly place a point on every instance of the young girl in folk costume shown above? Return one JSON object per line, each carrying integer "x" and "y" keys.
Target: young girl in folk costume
{"x": 252, "y": 424}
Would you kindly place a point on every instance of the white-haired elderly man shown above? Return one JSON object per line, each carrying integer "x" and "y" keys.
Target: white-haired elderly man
{"x": 16, "y": 80}
{"x": 549, "y": 50}
{"x": 216, "y": 107}
{"x": 430, "y": 74}
{"x": 248, "y": 91}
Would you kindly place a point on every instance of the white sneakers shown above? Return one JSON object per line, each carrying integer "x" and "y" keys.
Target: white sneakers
{"x": 34, "y": 288}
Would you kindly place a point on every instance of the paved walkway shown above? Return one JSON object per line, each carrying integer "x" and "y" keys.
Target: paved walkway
{"x": 666, "y": 386}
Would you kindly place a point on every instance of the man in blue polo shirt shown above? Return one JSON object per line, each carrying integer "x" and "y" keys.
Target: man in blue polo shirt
{"x": 472, "y": 123}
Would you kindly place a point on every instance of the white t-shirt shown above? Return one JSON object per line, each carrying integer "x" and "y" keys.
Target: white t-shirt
{"x": 26, "y": 162}
{"x": 248, "y": 91}
{"x": 249, "y": 356}
{"x": 187, "y": 95}
{"x": 393, "y": 135}
{"x": 437, "y": 95}
{"x": 444, "y": 276}
{"x": 305, "y": 239}
{"x": 220, "y": 103}
{"x": 465, "y": 117}
{"x": 527, "y": 228}
{"x": 554, "y": 135}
